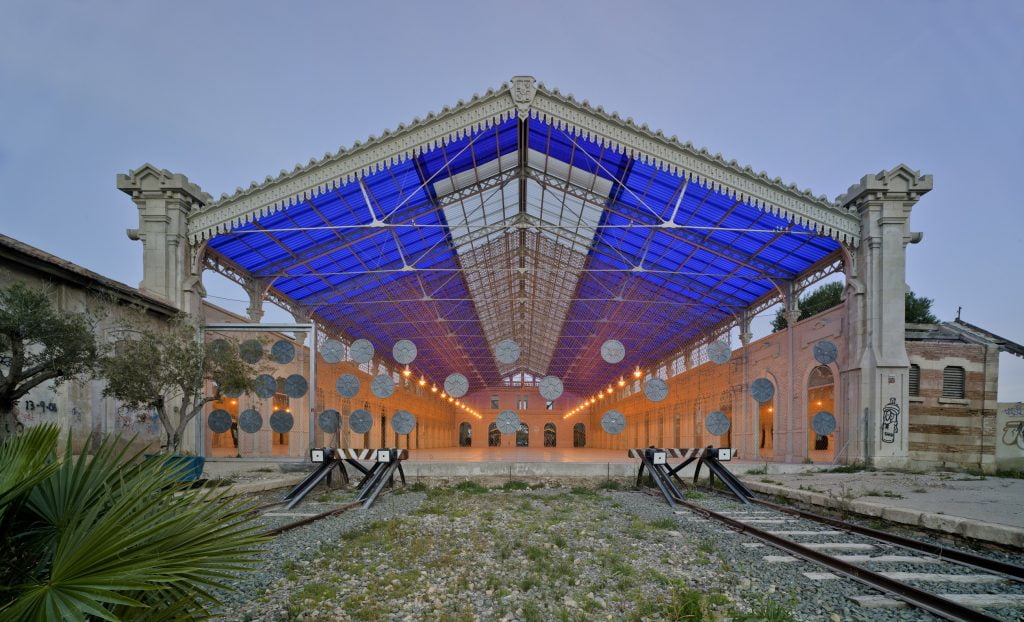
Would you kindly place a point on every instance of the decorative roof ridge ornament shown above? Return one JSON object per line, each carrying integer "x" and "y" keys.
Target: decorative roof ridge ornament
{"x": 524, "y": 89}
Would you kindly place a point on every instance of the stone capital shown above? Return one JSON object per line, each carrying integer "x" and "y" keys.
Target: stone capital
{"x": 148, "y": 181}
{"x": 900, "y": 183}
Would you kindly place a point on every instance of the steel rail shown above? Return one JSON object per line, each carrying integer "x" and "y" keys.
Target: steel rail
{"x": 276, "y": 531}
{"x": 965, "y": 558}
{"x": 921, "y": 599}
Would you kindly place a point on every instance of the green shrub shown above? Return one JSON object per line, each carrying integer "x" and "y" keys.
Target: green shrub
{"x": 105, "y": 536}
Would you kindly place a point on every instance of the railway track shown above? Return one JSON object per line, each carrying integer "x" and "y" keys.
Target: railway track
{"x": 861, "y": 554}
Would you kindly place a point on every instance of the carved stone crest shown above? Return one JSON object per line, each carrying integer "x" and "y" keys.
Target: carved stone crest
{"x": 524, "y": 88}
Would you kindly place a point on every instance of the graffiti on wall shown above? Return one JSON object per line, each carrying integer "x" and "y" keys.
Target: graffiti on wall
{"x": 890, "y": 421}
{"x": 1012, "y": 428}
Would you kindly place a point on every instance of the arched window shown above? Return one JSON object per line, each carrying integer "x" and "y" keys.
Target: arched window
{"x": 549, "y": 435}
{"x": 579, "y": 435}
{"x": 493, "y": 436}
{"x": 523, "y": 436}
{"x": 465, "y": 434}
{"x": 820, "y": 398}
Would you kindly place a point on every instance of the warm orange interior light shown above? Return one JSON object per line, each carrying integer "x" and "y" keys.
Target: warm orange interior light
{"x": 423, "y": 381}
{"x": 433, "y": 389}
{"x": 637, "y": 373}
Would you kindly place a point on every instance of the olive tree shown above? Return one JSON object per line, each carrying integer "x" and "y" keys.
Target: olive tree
{"x": 174, "y": 373}
{"x": 38, "y": 343}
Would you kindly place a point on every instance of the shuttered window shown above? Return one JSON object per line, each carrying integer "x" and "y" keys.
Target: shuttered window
{"x": 915, "y": 380}
{"x": 953, "y": 382}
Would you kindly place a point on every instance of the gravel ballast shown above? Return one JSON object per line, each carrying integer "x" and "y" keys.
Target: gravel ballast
{"x": 468, "y": 553}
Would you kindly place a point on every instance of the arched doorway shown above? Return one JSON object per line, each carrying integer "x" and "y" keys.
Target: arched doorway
{"x": 465, "y": 434}
{"x": 550, "y": 435}
{"x": 766, "y": 435}
{"x": 820, "y": 398}
{"x": 579, "y": 435}
{"x": 523, "y": 436}
{"x": 493, "y": 435}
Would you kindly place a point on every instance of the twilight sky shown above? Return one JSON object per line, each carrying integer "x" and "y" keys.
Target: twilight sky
{"x": 818, "y": 93}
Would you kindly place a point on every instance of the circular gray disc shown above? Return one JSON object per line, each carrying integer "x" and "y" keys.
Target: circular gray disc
{"x": 250, "y": 421}
{"x": 612, "y": 351}
{"x": 361, "y": 351}
{"x": 347, "y": 385}
{"x": 719, "y": 352}
{"x": 251, "y": 351}
{"x": 281, "y": 421}
{"x": 762, "y": 390}
{"x": 332, "y": 351}
{"x": 550, "y": 387}
{"x": 360, "y": 421}
{"x": 328, "y": 420}
{"x": 282, "y": 351}
{"x": 823, "y": 423}
{"x": 403, "y": 422}
{"x": 825, "y": 352}
{"x": 613, "y": 422}
{"x": 266, "y": 386}
{"x": 507, "y": 351}
{"x": 456, "y": 385}
{"x": 717, "y": 423}
{"x": 220, "y": 347}
{"x": 295, "y": 386}
{"x": 404, "y": 351}
{"x": 382, "y": 386}
{"x": 219, "y": 421}
{"x": 656, "y": 389}
{"x": 507, "y": 422}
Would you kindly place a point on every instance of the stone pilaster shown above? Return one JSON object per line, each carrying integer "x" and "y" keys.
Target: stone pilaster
{"x": 875, "y": 382}
{"x": 172, "y": 268}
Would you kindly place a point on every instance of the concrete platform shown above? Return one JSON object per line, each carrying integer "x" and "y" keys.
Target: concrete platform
{"x": 989, "y": 509}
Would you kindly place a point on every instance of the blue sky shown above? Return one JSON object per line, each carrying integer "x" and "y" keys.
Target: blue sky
{"x": 818, "y": 93}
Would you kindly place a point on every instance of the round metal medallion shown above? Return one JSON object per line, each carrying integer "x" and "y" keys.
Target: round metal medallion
{"x": 762, "y": 390}
{"x": 550, "y": 388}
{"x": 382, "y": 386}
{"x": 656, "y": 389}
{"x": 220, "y": 347}
{"x": 332, "y": 351}
{"x": 404, "y": 351}
{"x": 825, "y": 352}
{"x": 612, "y": 351}
{"x": 295, "y": 386}
{"x": 219, "y": 421}
{"x": 507, "y": 422}
{"x": 281, "y": 421}
{"x": 823, "y": 423}
{"x": 266, "y": 386}
{"x": 328, "y": 420}
{"x": 282, "y": 351}
{"x": 361, "y": 351}
{"x": 507, "y": 351}
{"x": 250, "y": 421}
{"x": 251, "y": 351}
{"x": 613, "y": 422}
{"x": 456, "y": 385}
{"x": 717, "y": 423}
{"x": 347, "y": 385}
{"x": 719, "y": 352}
{"x": 403, "y": 421}
{"x": 360, "y": 421}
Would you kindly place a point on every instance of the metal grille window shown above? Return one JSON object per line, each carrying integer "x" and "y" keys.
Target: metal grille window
{"x": 953, "y": 382}
{"x": 915, "y": 380}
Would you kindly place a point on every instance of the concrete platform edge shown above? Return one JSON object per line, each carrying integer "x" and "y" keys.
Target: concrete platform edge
{"x": 964, "y": 527}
